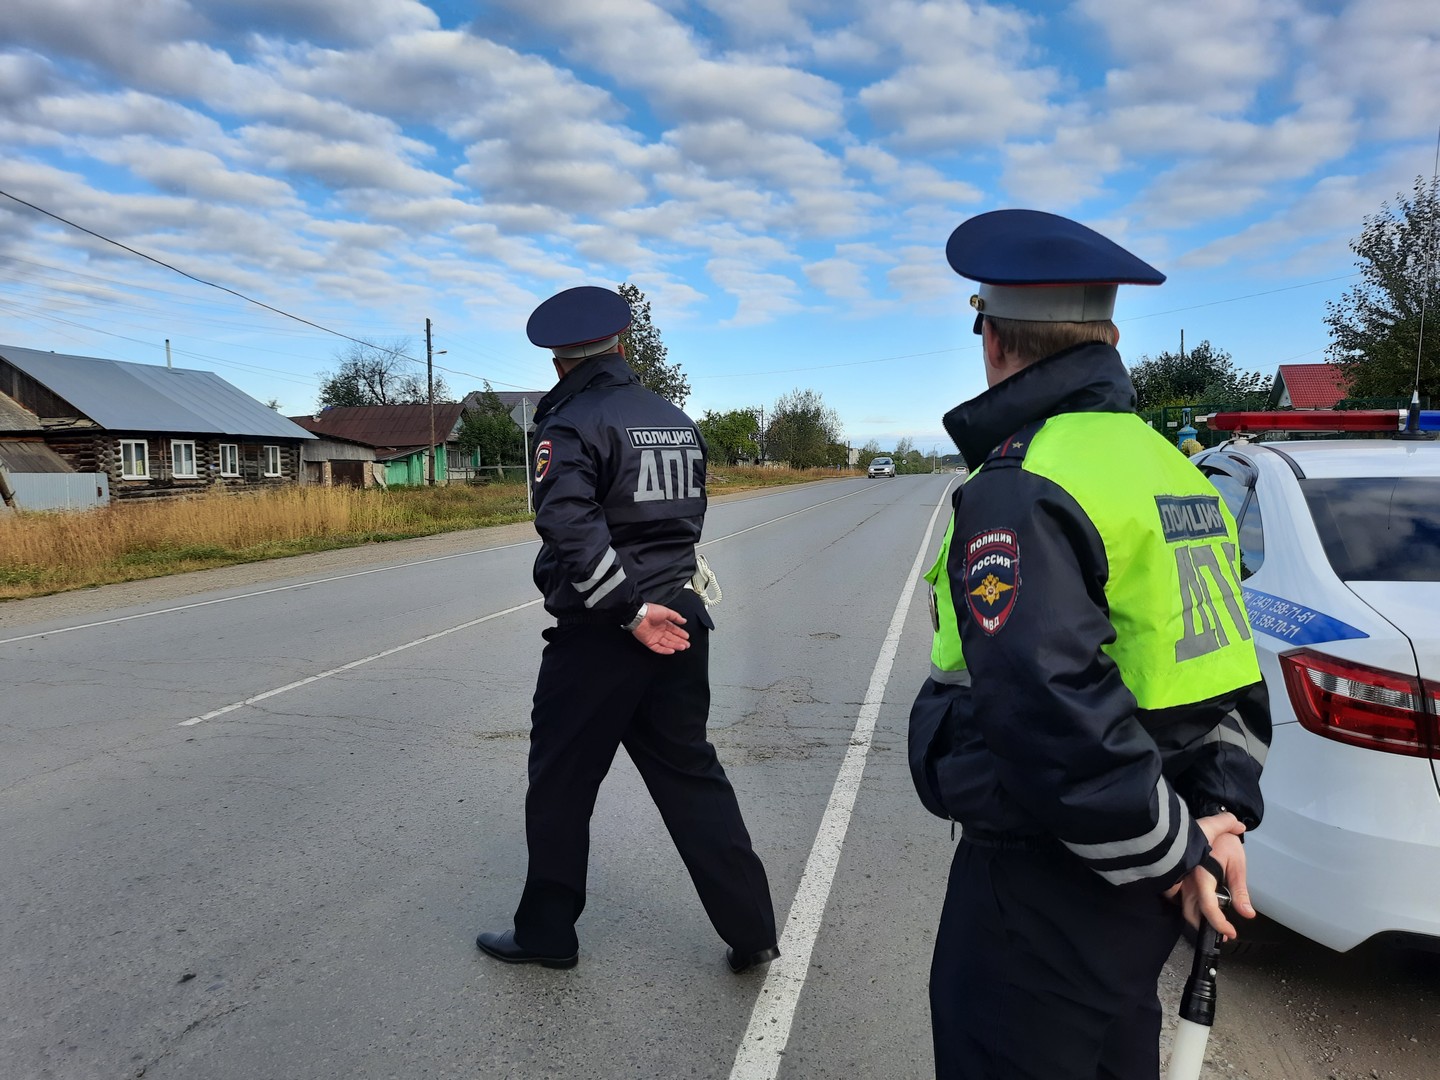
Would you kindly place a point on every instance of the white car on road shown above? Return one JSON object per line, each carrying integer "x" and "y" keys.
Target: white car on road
{"x": 1340, "y": 565}
{"x": 881, "y": 466}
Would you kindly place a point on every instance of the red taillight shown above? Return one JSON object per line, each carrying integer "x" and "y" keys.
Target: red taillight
{"x": 1363, "y": 706}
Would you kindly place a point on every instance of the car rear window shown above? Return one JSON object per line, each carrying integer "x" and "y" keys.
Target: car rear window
{"x": 1378, "y": 528}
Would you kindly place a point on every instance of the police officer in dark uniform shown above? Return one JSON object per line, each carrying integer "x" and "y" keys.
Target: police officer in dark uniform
{"x": 619, "y": 504}
{"x": 1094, "y": 718}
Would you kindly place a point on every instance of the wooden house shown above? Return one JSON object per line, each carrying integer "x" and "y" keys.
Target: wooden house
{"x": 398, "y": 434}
{"x": 150, "y": 430}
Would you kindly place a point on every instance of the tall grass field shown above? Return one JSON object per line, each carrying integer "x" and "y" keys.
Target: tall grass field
{"x": 54, "y": 551}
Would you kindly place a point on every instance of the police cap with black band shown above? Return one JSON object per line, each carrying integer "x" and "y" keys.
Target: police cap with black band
{"x": 579, "y": 322}
{"x": 1039, "y": 267}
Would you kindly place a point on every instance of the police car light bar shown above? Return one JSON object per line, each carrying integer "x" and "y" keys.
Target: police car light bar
{"x": 1322, "y": 420}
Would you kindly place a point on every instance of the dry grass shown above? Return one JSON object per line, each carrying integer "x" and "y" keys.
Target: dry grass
{"x": 51, "y": 552}
{"x": 727, "y": 478}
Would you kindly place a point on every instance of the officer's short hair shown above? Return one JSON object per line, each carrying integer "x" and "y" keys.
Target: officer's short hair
{"x": 1032, "y": 341}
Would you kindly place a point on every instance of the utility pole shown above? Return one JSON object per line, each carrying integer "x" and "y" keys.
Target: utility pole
{"x": 430, "y": 354}
{"x": 430, "y": 384}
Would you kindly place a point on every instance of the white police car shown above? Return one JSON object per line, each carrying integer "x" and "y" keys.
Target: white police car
{"x": 1340, "y": 563}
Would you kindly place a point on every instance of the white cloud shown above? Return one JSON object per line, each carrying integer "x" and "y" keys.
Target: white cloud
{"x": 910, "y": 182}
{"x": 760, "y": 296}
{"x": 1382, "y": 54}
{"x": 1213, "y": 55}
{"x": 24, "y": 77}
{"x": 1060, "y": 174}
{"x": 340, "y": 164}
{"x": 640, "y": 45}
{"x": 323, "y": 20}
{"x": 195, "y": 173}
{"x": 963, "y": 76}
{"x": 1322, "y": 221}
{"x": 842, "y": 279}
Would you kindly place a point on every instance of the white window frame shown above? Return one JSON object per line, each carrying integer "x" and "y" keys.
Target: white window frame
{"x": 177, "y": 451}
{"x": 272, "y": 454}
{"x": 130, "y": 459}
{"x": 229, "y": 455}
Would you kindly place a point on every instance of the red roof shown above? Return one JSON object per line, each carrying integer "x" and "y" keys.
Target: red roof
{"x": 385, "y": 426}
{"x": 1314, "y": 386}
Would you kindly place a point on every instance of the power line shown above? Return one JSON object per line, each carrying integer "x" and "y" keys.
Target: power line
{"x": 187, "y": 274}
{"x": 964, "y": 348}
{"x": 248, "y": 299}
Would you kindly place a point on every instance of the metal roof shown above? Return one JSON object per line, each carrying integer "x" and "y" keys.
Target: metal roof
{"x": 122, "y": 396}
{"x": 508, "y": 398}
{"x": 389, "y": 426}
{"x": 1312, "y": 386}
{"x": 31, "y": 456}
{"x": 15, "y": 417}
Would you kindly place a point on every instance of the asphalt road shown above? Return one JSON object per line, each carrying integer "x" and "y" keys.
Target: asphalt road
{"x": 291, "y": 887}
{"x": 251, "y": 821}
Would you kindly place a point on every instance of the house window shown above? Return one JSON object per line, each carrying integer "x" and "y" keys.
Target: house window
{"x": 229, "y": 459}
{"x": 182, "y": 459}
{"x": 134, "y": 459}
{"x": 272, "y": 461}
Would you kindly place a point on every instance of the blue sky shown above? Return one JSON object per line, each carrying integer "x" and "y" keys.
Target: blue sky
{"x": 778, "y": 176}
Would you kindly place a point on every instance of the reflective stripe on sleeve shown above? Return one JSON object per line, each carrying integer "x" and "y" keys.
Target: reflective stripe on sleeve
{"x": 1123, "y": 849}
{"x": 606, "y": 561}
{"x": 950, "y": 678}
{"x": 1238, "y": 735}
{"x": 1161, "y": 866}
{"x": 606, "y": 589}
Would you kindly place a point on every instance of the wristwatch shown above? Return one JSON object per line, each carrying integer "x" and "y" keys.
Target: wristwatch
{"x": 634, "y": 624}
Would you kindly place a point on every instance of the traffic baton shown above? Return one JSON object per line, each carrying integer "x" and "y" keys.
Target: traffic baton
{"x": 1197, "y": 1004}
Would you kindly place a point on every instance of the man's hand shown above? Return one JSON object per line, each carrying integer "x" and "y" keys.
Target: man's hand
{"x": 1196, "y": 891}
{"x": 660, "y": 630}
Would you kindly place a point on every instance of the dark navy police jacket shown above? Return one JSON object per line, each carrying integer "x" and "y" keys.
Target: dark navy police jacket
{"x": 1042, "y": 753}
{"x": 619, "y": 476}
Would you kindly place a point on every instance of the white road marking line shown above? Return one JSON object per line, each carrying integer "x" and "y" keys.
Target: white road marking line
{"x": 262, "y": 592}
{"x": 409, "y": 644}
{"x": 358, "y": 573}
{"x": 763, "y": 1045}
{"x": 762, "y": 524}
{"x": 353, "y": 664}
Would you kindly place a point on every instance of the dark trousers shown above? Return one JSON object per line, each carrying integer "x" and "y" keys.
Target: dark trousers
{"x": 1044, "y": 971}
{"x": 600, "y": 689}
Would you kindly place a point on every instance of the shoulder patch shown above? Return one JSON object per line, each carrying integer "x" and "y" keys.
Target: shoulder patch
{"x": 543, "y": 452}
{"x": 992, "y": 577}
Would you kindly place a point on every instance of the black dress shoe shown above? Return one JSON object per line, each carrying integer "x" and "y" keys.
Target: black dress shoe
{"x": 740, "y": 962}
{"x": 502, "y": 947}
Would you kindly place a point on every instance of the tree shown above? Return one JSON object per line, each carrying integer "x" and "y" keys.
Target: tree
{"x": 801, "y": 430}
{"x": 645, "y": 352}
{"x": 377, "y": 375}
{"x": 1375, "y": 326}
{"x": 901, "y": 454}
{"x": 731, "y": 435}
{"x": 1203, "y": 376}
{"x": 488, "y": 429}
{"x": 868, "y": 453}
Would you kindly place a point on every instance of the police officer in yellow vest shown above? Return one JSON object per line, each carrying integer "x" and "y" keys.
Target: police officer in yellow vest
{"x": 1094, "y": 718}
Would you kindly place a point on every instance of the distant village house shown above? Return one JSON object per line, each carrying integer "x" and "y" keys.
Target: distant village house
{"x": 138, "y": 430}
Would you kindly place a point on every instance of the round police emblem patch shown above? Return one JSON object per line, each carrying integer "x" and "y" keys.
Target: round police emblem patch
{"x": 542, "y": 460}
{"x": 992, "y": 577}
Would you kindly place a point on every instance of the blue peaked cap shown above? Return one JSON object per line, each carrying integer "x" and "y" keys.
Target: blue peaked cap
{"x": 1041, "y": 267}
{"x": 578, "y": 317}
